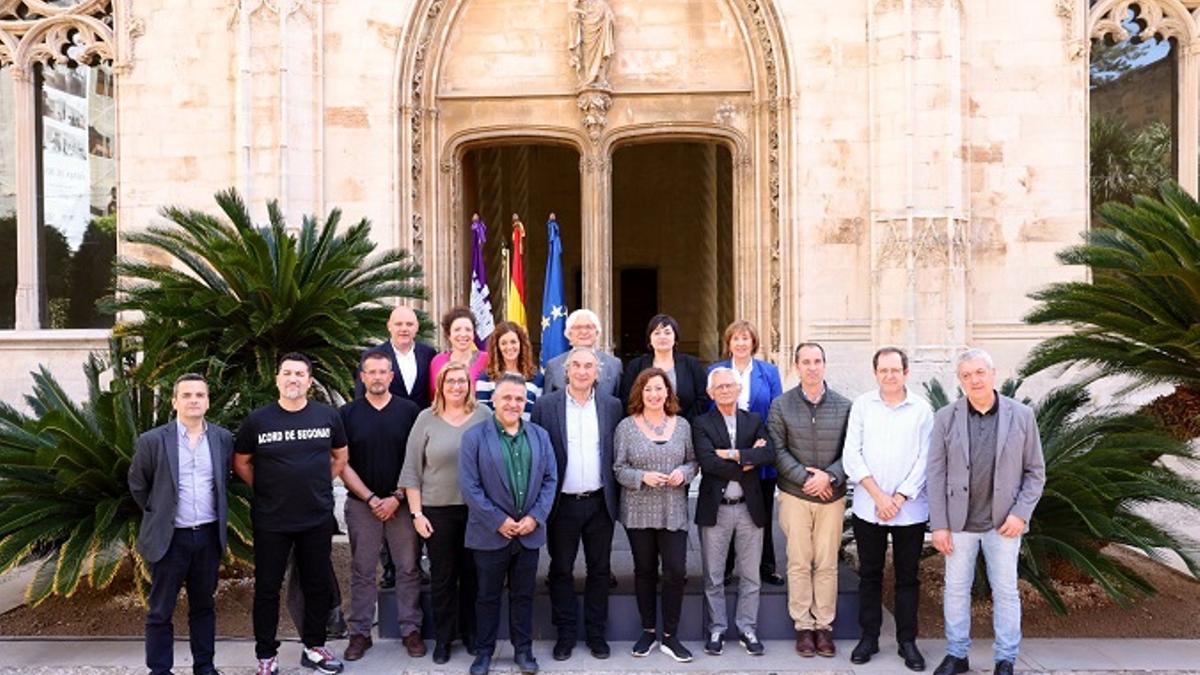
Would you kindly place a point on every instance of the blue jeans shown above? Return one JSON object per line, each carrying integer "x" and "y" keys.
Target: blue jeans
{"x": 1000, "y": 555}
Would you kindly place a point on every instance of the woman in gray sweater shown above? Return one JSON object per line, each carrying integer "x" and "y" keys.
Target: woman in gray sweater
{"x": 430, "y": 482}
{"x": 654, "y": 463}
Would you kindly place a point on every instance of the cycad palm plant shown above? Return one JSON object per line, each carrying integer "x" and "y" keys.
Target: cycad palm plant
{"x": 64, "y": 499}
{"x": 240, "y": 296}
{"x": 1140, "y": 314}
{"x": 1101, "y": 466}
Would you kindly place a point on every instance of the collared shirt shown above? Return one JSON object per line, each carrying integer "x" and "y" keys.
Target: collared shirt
{"x": 196, "y": 494}
{"x": 733, "y": 489}
{"x": 981, "y": 440}
{"x": 583, "y": 446}
{"x": 518, "y": 460}
{"x": 407, "y": 363}
{"x": 889, "y": 444}
{"x": 820, "y": 397}
{"x": 743, "y": 402}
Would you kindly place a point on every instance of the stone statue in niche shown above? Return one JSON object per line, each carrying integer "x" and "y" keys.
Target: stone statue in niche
{"x": 592, "y": 27}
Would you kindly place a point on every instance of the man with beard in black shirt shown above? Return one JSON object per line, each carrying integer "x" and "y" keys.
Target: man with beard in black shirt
{"x": 289, "y": 452}
{"x": 377, "y": 426}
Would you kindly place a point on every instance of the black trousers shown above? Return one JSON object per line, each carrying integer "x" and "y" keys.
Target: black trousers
{"x": 766, "y": 563}
{"x": 907, "y": 541}
{"x": 577, "y": 520}
{"x": 192, "y": 560}
{"x": 518, "y": 565}
{"x": 452, "y": 582}
{"x": 649, "y": 546}
{"x": 271, "y": 549}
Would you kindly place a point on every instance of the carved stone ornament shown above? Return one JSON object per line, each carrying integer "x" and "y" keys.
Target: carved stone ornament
{"x": 724, "y": 114}
{"x": 591, "y": 42}
{"x": 594, "y": 105}
{"x": 1162, "y": 19}
{"x": 36, "y": 32}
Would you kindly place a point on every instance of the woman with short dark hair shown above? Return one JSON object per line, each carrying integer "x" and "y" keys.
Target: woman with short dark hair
{"x": 683, "y": 371}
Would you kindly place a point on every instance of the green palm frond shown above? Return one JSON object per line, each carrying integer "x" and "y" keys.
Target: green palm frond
{"x": 1101, "y": 466}
{"x": 235, "y": 296}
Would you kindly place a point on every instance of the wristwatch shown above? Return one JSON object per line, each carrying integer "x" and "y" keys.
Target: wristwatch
{"x": 416, "y": 514}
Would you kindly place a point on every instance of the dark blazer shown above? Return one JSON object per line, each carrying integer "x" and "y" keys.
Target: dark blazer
{"x": 1018, "y": 474}
{"x": 709, "y": 434}
{"x": 417, "y": 392}
{"x": 765, "y": 387}
{"x": 550, "y": 413}
{"x": 690, "y": 382}
{"x": 484, "y": 484}
{"x": 154, "y": 480}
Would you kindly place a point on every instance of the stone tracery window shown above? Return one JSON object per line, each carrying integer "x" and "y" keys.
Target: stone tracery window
{"x": 58, "y": 108}
{"x": 1144, "y": 96}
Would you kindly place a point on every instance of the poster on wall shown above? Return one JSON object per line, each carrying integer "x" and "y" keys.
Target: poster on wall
{"x": 66, "y": 176}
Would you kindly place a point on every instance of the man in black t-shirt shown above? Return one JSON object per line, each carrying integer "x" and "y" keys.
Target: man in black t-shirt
{"x": 377, "y": 426}
{"x": 289, "y": 452}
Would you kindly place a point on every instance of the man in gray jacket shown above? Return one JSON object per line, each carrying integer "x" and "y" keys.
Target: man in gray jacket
{"x": 583, "y": 330}
{"x": 177, "y": 477}
{"x": 807, "y": 425}
{"x": 985, "y": 477}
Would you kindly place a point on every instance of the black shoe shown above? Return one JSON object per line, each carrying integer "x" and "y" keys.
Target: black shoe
{"x": 952, "y": 665}
{"x": 1003, "y": 668}
{"x": 863, "y": 650}
{"x": 599, "y": 648}
{"x": 672, "y": 647}
{"x": 729, "y": 581}
{"x": 770, "y": 577}
{"x": 911, "y": 655}
{"x": 715, "y": 644}
{"x": 612, "y": 581}
{"x": 481, "y": 665}
{"x": 525, "y": 662}
{"x": 751, "y": 644}
{"x": 469, "y": 644}
{"x": 388, "y": 578}
{"x": 562, "y": 649}
{"x": 441, "y": 653}
{"x": 645, "y": 643}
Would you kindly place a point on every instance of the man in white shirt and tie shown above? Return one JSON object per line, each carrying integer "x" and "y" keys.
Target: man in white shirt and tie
{"x": 887, "y": 441}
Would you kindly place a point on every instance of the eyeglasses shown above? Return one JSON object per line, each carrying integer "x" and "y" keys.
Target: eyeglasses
{"x": 456, "y": 382}
{"x": 726, "y": 385}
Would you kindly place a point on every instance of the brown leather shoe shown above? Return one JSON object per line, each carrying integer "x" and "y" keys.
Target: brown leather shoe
{"x": 824, "y": 640}
{"x": 805, "y": 646}
{"x": 359, "y": 644}
{"x": 414, "y": 644}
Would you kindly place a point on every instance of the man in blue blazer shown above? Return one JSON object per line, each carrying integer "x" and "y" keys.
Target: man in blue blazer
{"x": 508, "y": 475}
{"x": 580, "y": 421}
{"x": 178, "y": 477}
{"x": 410, "y": 359}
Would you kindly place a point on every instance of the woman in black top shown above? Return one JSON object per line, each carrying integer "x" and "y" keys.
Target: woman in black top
{"x": 685, "y": 372}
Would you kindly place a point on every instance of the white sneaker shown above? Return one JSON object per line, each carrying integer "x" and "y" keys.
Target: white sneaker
{"x": 268, "y": 666}
{"x": 321, "y": 659}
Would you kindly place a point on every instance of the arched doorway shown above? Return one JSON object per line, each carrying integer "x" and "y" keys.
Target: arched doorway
{"x": 465, "y": 80}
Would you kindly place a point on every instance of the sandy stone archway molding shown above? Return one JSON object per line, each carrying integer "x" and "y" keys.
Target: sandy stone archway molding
{"x": 420, "y": 196}
{"x": 1177, "y": 20}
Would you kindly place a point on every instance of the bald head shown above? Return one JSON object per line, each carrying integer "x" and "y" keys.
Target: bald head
{"x": 403, "y": 326}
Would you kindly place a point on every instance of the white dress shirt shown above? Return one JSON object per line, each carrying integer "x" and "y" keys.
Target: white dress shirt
{"x": 743, "y": 402}
{"x": 889, "y": 444}
{"x": 407, "y": 362}
{"x": 583, "y": 447}
{"x": 733, "y": 489}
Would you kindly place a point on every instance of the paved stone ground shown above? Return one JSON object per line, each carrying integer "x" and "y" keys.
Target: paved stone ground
{"x": 235, "y": 657}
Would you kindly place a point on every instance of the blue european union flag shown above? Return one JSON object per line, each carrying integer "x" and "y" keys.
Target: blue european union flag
{"x": 554, "y": 305}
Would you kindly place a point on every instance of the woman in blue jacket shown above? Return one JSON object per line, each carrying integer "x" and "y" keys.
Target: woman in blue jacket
{"x": 760, "y": 386}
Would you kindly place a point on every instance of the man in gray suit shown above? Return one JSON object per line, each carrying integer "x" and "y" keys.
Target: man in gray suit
{"x": 985, "y": 476}
{"x": 583, "y": 330}
{"x": 581, "y": 422}
{"x": 507, "y": 475}
{"x": 177, "y": 477}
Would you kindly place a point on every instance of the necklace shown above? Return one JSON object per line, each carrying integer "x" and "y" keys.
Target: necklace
{"x": 656, "y": 429}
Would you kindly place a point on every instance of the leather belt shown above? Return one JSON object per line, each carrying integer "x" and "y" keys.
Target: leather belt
{"x": 733, "y": 502}
{"x": 201, "y": 526}
{"x": 583, "y": 495}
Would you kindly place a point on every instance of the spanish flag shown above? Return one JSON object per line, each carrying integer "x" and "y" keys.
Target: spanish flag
{"x": 516, "y": 279}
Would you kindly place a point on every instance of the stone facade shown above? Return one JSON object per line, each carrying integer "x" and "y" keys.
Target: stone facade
{"x": 901, "y": 171}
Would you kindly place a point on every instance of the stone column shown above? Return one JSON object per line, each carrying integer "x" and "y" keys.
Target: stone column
{"x": 595, "y": 227}
{"x": 918, "y": 206}
{"x": 28, "y": 304}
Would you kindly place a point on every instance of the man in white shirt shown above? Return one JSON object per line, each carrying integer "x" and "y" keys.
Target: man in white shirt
{"x": 887, "y": 441}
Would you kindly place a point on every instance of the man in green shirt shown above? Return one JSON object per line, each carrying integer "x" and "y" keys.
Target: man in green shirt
{"x": 507, "y": 474}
